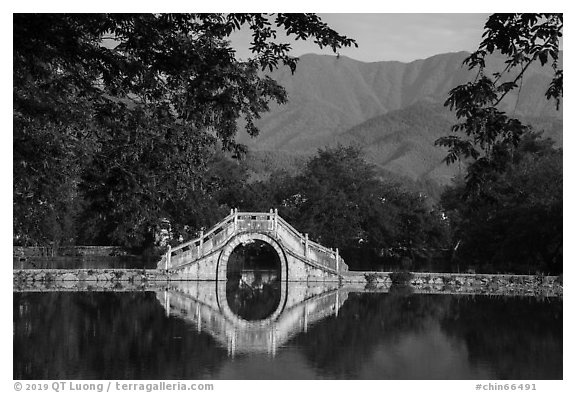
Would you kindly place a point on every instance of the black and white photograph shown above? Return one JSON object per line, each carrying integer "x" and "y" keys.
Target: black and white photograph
{"x": 215, "y": 196}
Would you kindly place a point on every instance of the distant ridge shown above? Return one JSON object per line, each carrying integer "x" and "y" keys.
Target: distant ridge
{"x": 393, "y": 110}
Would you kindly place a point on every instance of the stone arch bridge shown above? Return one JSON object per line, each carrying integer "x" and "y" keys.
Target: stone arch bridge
{"x": 206, "y": 258}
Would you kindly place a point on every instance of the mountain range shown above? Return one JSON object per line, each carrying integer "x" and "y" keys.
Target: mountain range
{"x": 393, "y": 110}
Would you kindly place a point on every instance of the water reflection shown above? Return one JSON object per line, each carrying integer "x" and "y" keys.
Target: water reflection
{"x": 253, "y": 298}
{"x": 253, "y": 281}
{"x": 298, "y": 305}
{"x": 319, "y": 332}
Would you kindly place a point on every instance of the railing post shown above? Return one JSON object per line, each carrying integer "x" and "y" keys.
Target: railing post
{"x": 169, "y": 257}
{"x": 201, "y": 245}
{"x": 235, "y": 220}
{"x": 306, "y": 246}
{"x": 337, "y": 261}
{"x": 275, "y": 222}
{"x": 271, "y": 220}
{"x": 167, "y": 303}
{"x": 337, "y": 305}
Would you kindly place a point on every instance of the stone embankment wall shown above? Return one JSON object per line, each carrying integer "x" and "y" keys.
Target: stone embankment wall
{"x": 112, "y": 251}
{"x": 497, "y": 284}
{"x": 76, "y": 251}
{"x": 92, "y": 279}
{"x": 78, "y": 257}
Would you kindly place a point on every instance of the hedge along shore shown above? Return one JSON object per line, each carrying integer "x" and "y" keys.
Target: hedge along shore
{"x": 139, "y": 279}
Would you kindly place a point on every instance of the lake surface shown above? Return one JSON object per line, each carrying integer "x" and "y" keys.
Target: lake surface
{"x": 300, "y": 332}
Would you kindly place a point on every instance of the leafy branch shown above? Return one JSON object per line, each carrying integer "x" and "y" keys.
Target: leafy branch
{"x": 523, "y": 39}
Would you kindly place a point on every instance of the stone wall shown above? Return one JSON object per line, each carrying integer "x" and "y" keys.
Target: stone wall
{"x": 42, "y": 279}
{"x": 496, "y": 284}
{"x": 80, "y": 257}
{"x": 469, "y": 283}
{"x": 75, "y": 251}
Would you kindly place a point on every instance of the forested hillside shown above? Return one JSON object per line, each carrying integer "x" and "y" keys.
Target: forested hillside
{"x": 393, "y": 110}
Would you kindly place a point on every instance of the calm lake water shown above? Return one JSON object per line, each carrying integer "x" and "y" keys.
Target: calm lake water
{"x": 248, "y": 332}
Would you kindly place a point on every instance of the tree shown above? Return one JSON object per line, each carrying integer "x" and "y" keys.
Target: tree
{"x": 515, "y": 224}
{"x": 507, "y": 213}
{"x": 332, "y": 186}
{"x": 136, "y": 100}
{"x": 341, "y": 201}
{"x": 524, "y": 39}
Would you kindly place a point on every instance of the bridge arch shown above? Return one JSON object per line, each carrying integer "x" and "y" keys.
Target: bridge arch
{"x": 207, "y": 257}
{"x": 242, "y": 238}
{"x": 222, "y": 269}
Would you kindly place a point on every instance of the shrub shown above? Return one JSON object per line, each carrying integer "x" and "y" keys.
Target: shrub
{"x": 560, "y": 280}
{"x": 372, "y": 278}
{"x": 401, "y": 278}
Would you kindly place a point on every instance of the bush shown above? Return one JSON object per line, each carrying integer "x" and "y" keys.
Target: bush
{"x": 372, "y": 278}
{"x": 560, "y": 279}
{"x": 401, "y": 278}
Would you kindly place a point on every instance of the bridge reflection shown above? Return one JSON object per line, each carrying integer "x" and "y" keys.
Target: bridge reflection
{"x": 255, "y": 296}
{"x": 268, "y": 315}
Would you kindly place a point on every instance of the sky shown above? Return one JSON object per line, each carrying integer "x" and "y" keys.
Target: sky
{"x": 388, "y": 36}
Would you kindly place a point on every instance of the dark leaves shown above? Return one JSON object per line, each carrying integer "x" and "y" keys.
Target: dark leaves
{"x": 508, "y": 214}
{"x": 151, "y": 94}
{"x": 555, "y": 89}
{"x": 523, "y": 39}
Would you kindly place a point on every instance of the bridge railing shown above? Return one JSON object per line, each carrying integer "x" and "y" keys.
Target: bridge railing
{"x": 322, "y": 255}
{"x": 237, "y": 222}
{"x": 249, "y": 221}
{"x": 291, "y": 230}
{"x": 202, "y": 245}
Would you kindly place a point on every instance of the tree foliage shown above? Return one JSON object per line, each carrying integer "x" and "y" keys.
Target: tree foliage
{"x": 121, "y": 109}
{"x": 524, "y": 39}
{"x": 515, "y": 223}
{"x": 340, "y": 201}
{"x": 506, "y": 215}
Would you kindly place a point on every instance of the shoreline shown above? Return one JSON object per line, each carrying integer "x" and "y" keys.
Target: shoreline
{"x": 39, "y": 280}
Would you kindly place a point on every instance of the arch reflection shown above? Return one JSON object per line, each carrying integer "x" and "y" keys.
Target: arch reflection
{"x": 253, "y": 276}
